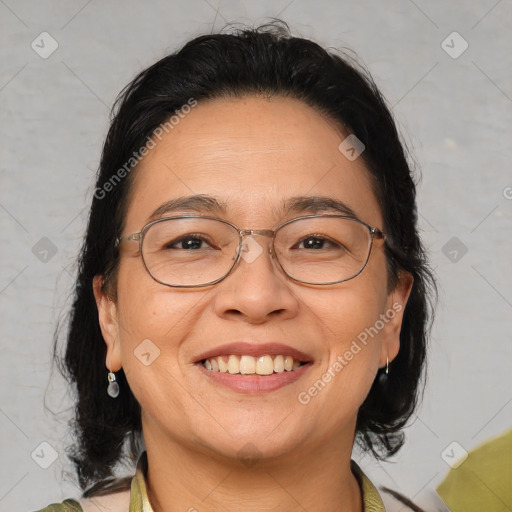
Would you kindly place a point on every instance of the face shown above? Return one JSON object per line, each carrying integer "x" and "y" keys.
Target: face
{"x": 252, "y": 155}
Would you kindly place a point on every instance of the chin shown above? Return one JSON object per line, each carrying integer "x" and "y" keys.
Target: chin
{"x": 249, "y": 445}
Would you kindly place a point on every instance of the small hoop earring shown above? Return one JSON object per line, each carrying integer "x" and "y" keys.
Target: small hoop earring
{"x": 387, "y": 365}
{"x": 113, "y": 386}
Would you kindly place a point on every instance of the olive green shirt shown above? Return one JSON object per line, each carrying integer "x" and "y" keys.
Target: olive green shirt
{"x": 139, "y": 501}
{"x": 482, "y": 481}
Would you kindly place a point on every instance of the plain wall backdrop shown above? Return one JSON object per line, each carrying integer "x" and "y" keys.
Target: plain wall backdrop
{"x": 453, "y": 105}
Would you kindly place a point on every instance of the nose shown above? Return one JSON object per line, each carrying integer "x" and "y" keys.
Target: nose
{"x": 257, "y": 288}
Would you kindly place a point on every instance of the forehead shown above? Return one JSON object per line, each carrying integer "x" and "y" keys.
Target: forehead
{"x": 252, "y": 155}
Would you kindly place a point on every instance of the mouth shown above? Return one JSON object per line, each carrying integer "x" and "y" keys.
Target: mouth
{"x": 253, "y": 368}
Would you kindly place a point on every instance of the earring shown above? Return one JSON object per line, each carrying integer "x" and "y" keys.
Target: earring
{"x": 384, "y": 375}
{"x": 113, "y": 386}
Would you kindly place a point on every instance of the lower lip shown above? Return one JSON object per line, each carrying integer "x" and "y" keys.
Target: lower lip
{"x": 255, "y": 384}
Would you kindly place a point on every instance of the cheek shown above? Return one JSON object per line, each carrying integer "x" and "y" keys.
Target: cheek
{"x": 353, "y": 310}
{"x": 148, "y": 309}
{"x": 350, "y": 320}
{"x": 354, "y": 331}
{"x": 154, "y": 320}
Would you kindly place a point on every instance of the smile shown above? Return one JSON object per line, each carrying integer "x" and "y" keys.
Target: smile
{"x": 253, "y": 383}
{"x": 249, "y": 365}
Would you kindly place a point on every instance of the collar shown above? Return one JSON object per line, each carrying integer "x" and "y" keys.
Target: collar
{"x": 372, "y": 502}
{"x": 139, "y": 501}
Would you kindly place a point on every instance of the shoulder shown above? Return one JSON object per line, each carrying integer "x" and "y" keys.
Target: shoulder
{"x": 381, "y": 499}
{"x": 114, "y": 502}
{"x": 66, "y": 506}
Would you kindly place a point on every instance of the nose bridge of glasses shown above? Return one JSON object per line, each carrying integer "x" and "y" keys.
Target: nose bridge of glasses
{"x": 257, "y": 232}
{"x": 244, "y": 233}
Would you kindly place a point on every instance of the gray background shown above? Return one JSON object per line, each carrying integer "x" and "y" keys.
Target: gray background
{"x": 455, "y": 114}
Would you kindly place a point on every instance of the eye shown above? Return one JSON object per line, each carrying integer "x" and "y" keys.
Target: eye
{"x": 317, "y": 242}
{"x": 189, "y": 242}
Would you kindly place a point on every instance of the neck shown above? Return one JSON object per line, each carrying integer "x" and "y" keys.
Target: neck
{"x": 184, "y": 478}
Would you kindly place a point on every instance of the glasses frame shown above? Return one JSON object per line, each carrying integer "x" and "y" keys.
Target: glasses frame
{"x": 375, "y": 234}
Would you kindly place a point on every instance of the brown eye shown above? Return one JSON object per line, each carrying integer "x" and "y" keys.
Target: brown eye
{"x": 317, "y": 243}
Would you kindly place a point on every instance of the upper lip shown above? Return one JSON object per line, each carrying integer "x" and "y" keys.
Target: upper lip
{"x": 255, "y": 350}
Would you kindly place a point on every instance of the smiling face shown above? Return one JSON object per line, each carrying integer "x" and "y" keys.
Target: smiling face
{"x": 252, "y": 155}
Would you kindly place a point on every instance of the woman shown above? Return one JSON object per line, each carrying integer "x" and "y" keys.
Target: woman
{"x": 253, "y": 296}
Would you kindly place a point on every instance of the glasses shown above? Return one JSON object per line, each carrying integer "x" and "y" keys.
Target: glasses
{"x": 190, "y": 250}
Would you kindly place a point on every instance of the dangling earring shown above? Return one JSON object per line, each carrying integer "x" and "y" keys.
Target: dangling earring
{"x": 113, "y": 386}
{"x": 384, "y": 375}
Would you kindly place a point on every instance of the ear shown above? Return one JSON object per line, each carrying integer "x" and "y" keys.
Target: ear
{"x": 107, "y": 315}
{"x": 393, "y": 316}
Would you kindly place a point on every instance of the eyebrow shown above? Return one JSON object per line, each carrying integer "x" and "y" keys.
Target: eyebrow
{"x": 190, "y": 204}
{"x": 200, "y": 204}
{"x": 317, "y": 204}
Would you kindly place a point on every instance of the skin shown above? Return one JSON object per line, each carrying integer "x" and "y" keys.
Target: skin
{"x": 252, "y": 153}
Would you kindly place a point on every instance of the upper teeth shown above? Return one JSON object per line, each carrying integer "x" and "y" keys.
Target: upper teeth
{"x": 246, "y": 365}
